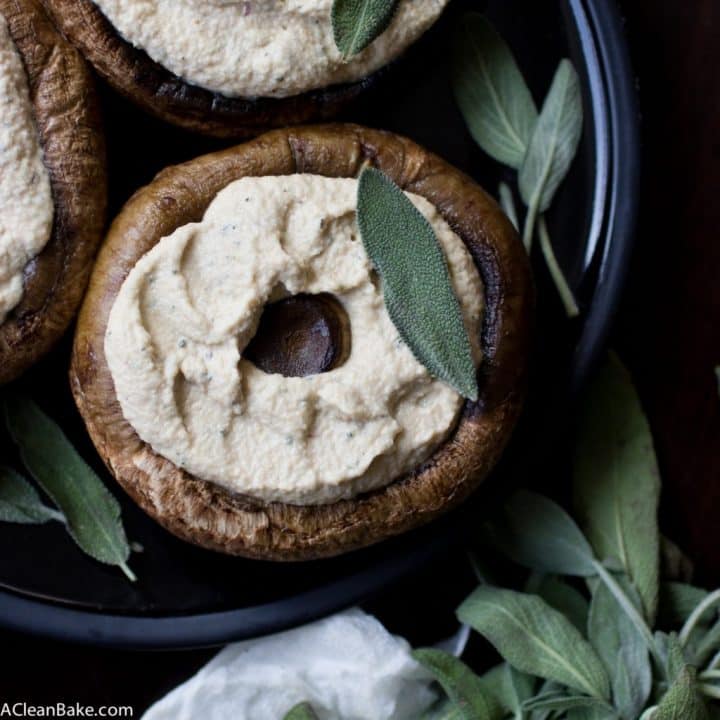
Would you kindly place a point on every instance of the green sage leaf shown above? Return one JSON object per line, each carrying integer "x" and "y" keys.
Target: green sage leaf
{"x": 564, "y": 598}
{"x": 622, "y": 649}
{"x": 674, "y": 563}
{"x": 490, "y": 90}
{"x": 591, "y": 713}
{"x": 535, "y": 639}
{"x": 507, "y": 203}
{"x": 673, "y": 654}
{"x": 554, "y": 141}
{"x": 562, "y": 702}
{"x": 537, "y": 533}
{"x": 677, "y": 601}
{"x": 92, "y": 513}
{"x": 356, "y": 23}
{"x": 460, "y": 683}
{"x": 682, "y": 701}
{"x": 508, "y": 687}
{"x": 708, "y": 644}
{"x": 302, "y": 711}
{"x": 20, "y": 502}
{"x": 417, "y": 288}
{"x": 616, "y": 480}
{"x": 443, "y": 709}
{"x": 695, "y": 620}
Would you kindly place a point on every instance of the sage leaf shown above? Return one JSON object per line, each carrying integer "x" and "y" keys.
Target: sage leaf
{"x": 460, "y": 683}
{"x": 91, "y": 512}
{"x": 591, "y": 713}
{"x": 671, "y": 657}
{"x": 442, "y": 710}
{"x": 507, "y": 203}
{"x": 554, "y": 140}
{"x": 708, "y": 645}
{"x": 682, "y": 701}
{"x": 674, "y": 563}
{"x": 491, "y": 92}
{"x": 416, "y": 281}
{"x": 564, "y": 598}
{"x": 535, "y": 639}
{"x": 616, "y": 480}
{"x": 302, "y": 711}
{"x": 508, "y": 687}
{"x": 537, "y": 533}
{"x": 562, "y": 702}
{"x": 622, "y": 650}
{"x": 20, "y": 502}
{"x": 356, "y": 23}
{"x": 709, "y": 603}
{"x": 677, "y": 601}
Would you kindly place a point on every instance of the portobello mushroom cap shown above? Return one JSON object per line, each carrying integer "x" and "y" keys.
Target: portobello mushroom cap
{"x": 68, "y": 122}
{"x": 210, "y": 516}
{"x": 162, "y": 93}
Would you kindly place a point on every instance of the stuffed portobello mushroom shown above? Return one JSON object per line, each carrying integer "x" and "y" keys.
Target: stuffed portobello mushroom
{"x": 52, "y": 183}
{"x": 233, "y": 68}
{"x": 239, "y": 373}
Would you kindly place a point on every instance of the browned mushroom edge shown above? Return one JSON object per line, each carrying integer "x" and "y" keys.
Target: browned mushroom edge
{"x": 163, "y": 94}
{"x": 68, "y": 121}
{"x": 212, "y": 517}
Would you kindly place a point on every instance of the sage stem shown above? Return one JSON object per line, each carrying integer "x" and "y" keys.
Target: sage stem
{"x": 530, "y": 219}
{"x": 710, "y": 675}
{"x": 566, "y": 294}
{"x": 710, "y": 601}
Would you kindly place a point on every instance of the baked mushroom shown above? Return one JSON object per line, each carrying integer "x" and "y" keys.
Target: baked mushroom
{"x": 52, "y": 183}
{"x": 217, "y": 276}
{"x": 232, "y": 68}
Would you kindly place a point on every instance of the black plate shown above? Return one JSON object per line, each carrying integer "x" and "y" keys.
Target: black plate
{"x": 191, "y": 597}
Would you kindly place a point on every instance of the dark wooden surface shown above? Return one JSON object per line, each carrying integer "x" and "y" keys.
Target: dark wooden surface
{"x": 669, "y": 327}
{"x": 667, "y": 332}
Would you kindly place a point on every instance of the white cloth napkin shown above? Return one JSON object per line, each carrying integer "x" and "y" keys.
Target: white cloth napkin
{"x": 348, "y": 667}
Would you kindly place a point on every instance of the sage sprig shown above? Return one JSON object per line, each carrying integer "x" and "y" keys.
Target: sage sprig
{"x": 417, "y": 288}
{"x": 501, "y": 115}
{"x": 90, "y": 513}
{"x": 356, "y": 23}
{"x": 606, "y": 659}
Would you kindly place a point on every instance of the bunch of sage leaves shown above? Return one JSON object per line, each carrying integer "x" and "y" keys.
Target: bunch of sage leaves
{"x": 502, "y": 117}
{"x": 607, "y": 626}
{"x": 600, "y": 630}
{"x": 82, "y": 503}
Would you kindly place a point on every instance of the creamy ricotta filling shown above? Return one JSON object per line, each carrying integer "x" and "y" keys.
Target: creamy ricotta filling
{"x": 187, "y": 310}
{"x": 26, "y": 207}
{"x": 272, "y": 48}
